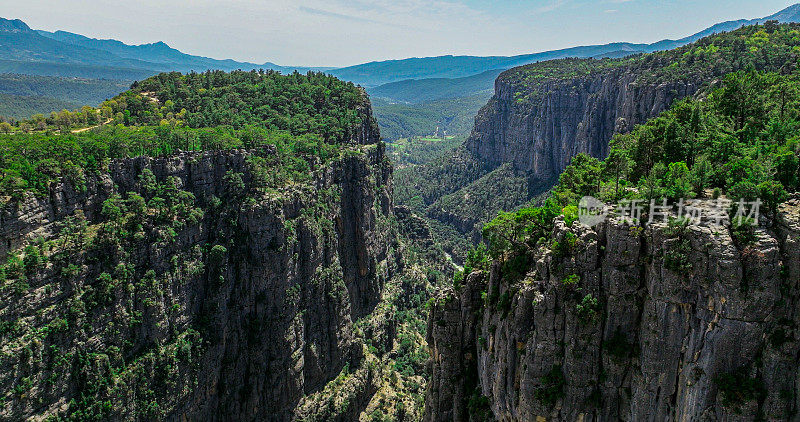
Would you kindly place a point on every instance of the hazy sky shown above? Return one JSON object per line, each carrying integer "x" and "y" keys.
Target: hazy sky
{"x": 344, "y": 32}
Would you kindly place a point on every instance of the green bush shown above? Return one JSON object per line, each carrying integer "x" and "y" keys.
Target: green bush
{"x": 552, "y": 389}
{"x": 737, "y": 387}
{"x": 479, "y": 408}
{"x": 743, "y": 231}
{"x": 588, "y": 309}
{"x": 33, "y": 259}
{"x": 504, "y": 303}
{"x": 217, "y": 255}
{"x": 571, "y": 281}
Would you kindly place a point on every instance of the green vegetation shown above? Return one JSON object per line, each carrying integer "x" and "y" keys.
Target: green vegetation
{"x": 300, "y": 104}
{"x": 479, "y": 407}
{"x": 124, "y": 324}
{"x": 676, "y": 258}
{"x": 737, "y": 387}
{"x": 571, "y": 281}
{"x": 739, "y": 140}
{"x": 289, "y": 132}
{"x": 552, "y": 389}
{"x": 13, "y": 107}
{"x": 767, "y": 47}
{"x": 406, "y": 152}
{"x": 528, "y": 78}
{"x": 743, "y": 231}
{"x": 467, "y": 208}
{"x": 588, "y": 310}
{"x": 455, "y": 116}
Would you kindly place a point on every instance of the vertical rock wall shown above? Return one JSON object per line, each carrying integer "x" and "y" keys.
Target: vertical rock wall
{"x": 678, "y": 325}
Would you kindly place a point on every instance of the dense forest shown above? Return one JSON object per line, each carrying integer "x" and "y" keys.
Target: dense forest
{"x": 14, "y": 107}
{"x": 455, "y": 116}
{"x": 770, "y": 47}
{"x": 173, "y": 112}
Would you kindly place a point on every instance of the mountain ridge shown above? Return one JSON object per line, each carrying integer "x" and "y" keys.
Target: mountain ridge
{"x": 163, "y": 53}
{"x": 159, "y": 56}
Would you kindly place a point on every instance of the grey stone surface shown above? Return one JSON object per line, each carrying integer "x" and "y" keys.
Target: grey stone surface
{"x": 661, "y": 338}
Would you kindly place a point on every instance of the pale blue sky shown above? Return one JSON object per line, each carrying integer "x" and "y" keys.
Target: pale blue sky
{"x": 344, "y": 32}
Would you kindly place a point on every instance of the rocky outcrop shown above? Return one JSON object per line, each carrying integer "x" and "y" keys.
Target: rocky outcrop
{"x": 621, "y": 322}
{"x": 227, "y": 306}
{"x": 565, "y": 117}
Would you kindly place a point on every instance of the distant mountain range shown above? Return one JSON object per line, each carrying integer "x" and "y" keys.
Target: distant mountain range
{"x": 24, "y": 50}
{"x": 60, "y": 53}
{"x": 378, "y": 73}
{"x": 412, "y": 96}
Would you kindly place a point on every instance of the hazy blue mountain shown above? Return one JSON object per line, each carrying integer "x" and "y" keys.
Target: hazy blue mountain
{"x": 18, "y": 42}
{"x": 24, "y": 50}
{"x": 162, "y": 54}
{"x": 63, "y": 53}
{"x": 73, "y": 70}
{"x": 378, "y": 73}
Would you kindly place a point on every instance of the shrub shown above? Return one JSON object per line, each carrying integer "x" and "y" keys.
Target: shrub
{"x": 217, "y": 255}
{"x": 504, "y": 303}
{"x": 515, "y": 268}
{"x": 15, "y": 268}
{"x": 677, "y": 257}
{"x": 479, "y": 408}
{"x": 570, "y": 215}
{"x": 571, "y": 281}
{"x": 565, "y": 247}
{"x": 33, "y": 259}
{"x": 743, "y": 231}
{"x": 737, "y": 387}
{"x": 552, "y": 388}
{"x": 588, "y": 309}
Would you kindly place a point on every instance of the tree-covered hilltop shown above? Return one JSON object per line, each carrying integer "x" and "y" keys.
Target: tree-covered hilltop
{"x": 769, "y": 47}
{"x": 300, "y": 119}
{"x": 312, "y": 103}
{"x": 740, "y": 139}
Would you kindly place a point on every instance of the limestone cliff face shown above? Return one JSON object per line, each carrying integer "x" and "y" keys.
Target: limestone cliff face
{"x": 236, "y": 314}
{"x": 636, "y": 324}
{"x": 565, "y": 117}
